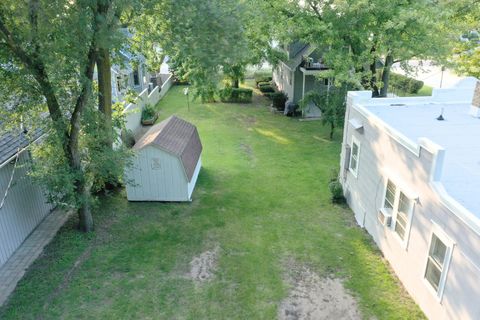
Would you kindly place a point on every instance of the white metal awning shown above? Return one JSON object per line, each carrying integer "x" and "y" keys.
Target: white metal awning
{"x": 356, "y": 123}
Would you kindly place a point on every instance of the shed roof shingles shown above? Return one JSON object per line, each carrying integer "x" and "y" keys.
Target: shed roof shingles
{"x": 178, "y": 137}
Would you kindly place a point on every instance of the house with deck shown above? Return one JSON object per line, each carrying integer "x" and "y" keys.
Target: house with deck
{"x": 301, "y": 73}
{"x": 410, "y": 170}
{"x": 23, "y": 204}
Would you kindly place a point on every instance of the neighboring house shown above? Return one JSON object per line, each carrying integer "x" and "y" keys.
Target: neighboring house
{"x": 299, "y": 74}
{"x": 166, "y": 164}
{"x": 131, "y": 73}
{"x": 22, "y": 204}
{"x": 413, "y": 182}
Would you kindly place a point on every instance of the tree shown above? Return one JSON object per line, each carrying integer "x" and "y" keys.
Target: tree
{"x": 50, "y": 48}
{"x": 332, "y": 103}
{"x": 202, "y": 38}
{"x": 466, "y": 52}
{"x": 362, "y": 39}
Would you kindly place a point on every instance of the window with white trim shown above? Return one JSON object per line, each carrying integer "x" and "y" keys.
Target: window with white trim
{"x": 400, "y": 206}
{"x": 390, "y": 193}
{"x": 354, "y": 156}
{"x": 439, "y": 255}
{"x": 402, "y": 217}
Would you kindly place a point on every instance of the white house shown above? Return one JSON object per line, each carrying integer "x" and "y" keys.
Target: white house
{"x": 413, "y": 182}
{"x": 22, "y": 204}
{"x": 167, "y": 163}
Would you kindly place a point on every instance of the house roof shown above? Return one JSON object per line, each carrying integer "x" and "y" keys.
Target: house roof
{"x": 295, "y": 61}
{"x": 413, "y": 120}
{"x": 177, "y": 137}
{"x": 13, "y": 141}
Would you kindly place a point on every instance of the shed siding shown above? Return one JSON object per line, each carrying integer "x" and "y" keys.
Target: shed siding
{"x": 191, "y": 184}
{"x": 380, "y": 153}
{"x": 24, "y": 208}
{"x": 168, "y": 183}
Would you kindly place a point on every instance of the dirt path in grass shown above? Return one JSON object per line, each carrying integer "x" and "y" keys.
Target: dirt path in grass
{"x": 203, "y": 266}
{"x": 316, "y": 298}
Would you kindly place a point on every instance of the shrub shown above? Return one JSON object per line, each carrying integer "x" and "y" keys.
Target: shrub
{"x": 148, "y": 112}
{"x": 262, "y": 77}
{"x": 237, "y": 95}
{"x": 269, "y": 95}
{"x": 405, "y": 84}
{"x": 128, "y": 138}
{"x": 336, "y": 191}
{"x": 266, "y": 88}
{"x": 264, "y": 83}
{"x": 278, "y": 100}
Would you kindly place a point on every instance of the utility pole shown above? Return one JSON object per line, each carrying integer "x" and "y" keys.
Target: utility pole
{"x": 441, "y": 77}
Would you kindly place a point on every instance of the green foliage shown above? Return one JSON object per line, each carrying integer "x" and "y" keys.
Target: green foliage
{"x": 405, "y": 84}
{"x": 336, "y": 189}
{"x": 236, "y": 95}
{"x": 465, "y": 18}
{"x": 202, "y": 38}
{"x": 353, "y": 36}
{"x": 331, "y": 102}
{"x": 148, "y": 112}
{"x": 278, "y": 100}
{"x": 261, "y": 77}
{"x": 267, "y": 87}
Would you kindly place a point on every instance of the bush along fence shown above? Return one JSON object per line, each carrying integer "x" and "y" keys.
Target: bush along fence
{"x": 405, "y": 84}
{"x": 133, "y": 111}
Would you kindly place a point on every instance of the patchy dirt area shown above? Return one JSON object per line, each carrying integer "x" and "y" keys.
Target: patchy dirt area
{"x": 313, "y": 297}
{"x": 203, "y": 266}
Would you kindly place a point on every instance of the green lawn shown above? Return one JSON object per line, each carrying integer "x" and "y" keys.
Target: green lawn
{"x": 262, "y": 197}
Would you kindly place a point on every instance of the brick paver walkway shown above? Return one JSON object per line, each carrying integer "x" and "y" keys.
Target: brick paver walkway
{"x": 14, "y": 269}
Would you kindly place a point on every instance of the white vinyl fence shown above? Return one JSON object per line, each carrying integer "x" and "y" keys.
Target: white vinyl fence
{"x": 133, "y": 111}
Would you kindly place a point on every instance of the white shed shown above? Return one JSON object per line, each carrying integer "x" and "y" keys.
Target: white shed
{"x": 166, "y": 164}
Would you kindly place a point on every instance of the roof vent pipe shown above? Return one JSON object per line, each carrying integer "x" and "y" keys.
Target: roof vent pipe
{"x": 440, "y": 117}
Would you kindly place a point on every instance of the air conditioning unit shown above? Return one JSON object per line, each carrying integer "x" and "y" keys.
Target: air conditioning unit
{"x": 384, "y": 217}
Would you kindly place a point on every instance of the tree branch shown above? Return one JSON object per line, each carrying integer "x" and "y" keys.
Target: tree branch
{"x": 35, "y": 65}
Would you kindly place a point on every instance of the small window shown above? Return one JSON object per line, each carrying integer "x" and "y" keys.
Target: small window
{"x": 390, "y": 196}
{"x": 400, "y": 207}
{"x": 354, "y": 156}
{"x": 437, "y": 262}
{"x": 136, "y": 78}
{"x": 402, "y": 217}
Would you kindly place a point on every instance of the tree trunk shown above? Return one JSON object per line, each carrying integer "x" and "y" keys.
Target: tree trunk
{"x": 105, "y": 91}
{"x": 236, "y": 83}
{"x": 386, "y": 75}
{"x": 85, "y": 218}
{"x": 332, "y": 129}
{"x": 373, "y": 71}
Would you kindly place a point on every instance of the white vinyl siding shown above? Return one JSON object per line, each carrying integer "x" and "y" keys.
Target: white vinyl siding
{"x": 354, "y": 157}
